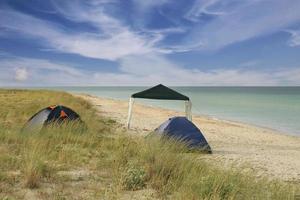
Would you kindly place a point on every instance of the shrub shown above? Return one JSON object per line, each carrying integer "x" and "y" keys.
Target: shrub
{"x": 134, "y": 178}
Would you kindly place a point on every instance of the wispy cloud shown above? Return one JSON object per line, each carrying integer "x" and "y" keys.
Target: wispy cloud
{"x": 230, "y": 22}
{"x": 29, "y": 71}
{"x": 37, "y": 64}
{"x": 145, "y": 70}
{"x": 240, "y": 20}
{"x": 152, "y": 72}
{"x": 295, "y": 38}
{"x": 114, "y": 42}
{"x": 141, "y": 51}
{"x": 204, "y": 7}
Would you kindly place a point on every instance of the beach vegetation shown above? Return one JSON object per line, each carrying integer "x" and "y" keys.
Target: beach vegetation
{"x": 106, "y": 162}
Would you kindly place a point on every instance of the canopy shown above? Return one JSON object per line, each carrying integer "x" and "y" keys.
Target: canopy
{"x": 160, "y": 92}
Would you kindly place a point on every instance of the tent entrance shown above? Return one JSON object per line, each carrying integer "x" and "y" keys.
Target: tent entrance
{"x": 160, "y": 92}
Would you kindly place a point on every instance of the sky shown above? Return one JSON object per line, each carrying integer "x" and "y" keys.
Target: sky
{"x": 147, "y": 42}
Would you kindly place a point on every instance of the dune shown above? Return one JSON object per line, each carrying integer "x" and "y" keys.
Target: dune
{"x": 262, "y": 150}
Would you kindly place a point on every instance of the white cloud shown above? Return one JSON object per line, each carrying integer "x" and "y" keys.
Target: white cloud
{"x": 295, "y": 38}
{"x": 141, "y": 57}
{"x": 37, "y": 64}
{"x": 240, "y": 20}
{"x": 203, "y": 7}
{"x": 28, "y": 71}
{"x": 21, "y": 74}
{"x": 181, "y": 47}
{"x": 153, "y": 69}
{"x": 157, "y": 70}
{"x": 233, "y": 21}
{"x": 116, "y": 41}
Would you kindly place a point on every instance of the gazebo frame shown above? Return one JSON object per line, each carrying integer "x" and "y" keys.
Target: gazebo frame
{"x": 160, "y": 92}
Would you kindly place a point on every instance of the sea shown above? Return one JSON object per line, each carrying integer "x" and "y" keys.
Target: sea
{"x": 271, "y": 107}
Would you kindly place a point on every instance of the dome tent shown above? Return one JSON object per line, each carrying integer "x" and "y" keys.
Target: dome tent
{"x": 53, "y": 114}
{"x": 160, "y": 92}
{"x": 180, "y": 128}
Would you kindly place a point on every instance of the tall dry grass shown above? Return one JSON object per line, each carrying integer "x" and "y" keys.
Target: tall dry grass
{"x": 104, "y": 162}
{"x": 176, "y": 173}
{"x": 33, "y": 159}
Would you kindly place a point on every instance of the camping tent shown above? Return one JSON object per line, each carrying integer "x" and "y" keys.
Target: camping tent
{"x": 56, "y": 113}
{"x": 184, "y": 130}
{"x": 160, "y": 92}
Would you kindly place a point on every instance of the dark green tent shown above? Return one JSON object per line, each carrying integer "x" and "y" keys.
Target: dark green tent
{"x": 160, "y": 92}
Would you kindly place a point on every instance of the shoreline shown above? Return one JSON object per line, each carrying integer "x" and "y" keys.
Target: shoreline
{"x": 268, "y": 152}
{"x": 273, "y": 126}
{"x": 209, "y": 117}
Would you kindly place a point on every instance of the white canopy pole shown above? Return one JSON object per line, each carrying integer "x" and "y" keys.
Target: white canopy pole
{"x": 188, "y": 110}
{"x": 130, "y": 104}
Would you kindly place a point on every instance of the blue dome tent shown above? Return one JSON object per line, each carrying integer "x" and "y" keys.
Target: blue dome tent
{"x": 180, "y": 128}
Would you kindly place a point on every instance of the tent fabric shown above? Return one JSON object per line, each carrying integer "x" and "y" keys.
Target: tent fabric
{"x": 49, "y": 115}
{"x": 184, "y": 130}
{"x": 61, "y": 113}
{"x": 160, "y": 92}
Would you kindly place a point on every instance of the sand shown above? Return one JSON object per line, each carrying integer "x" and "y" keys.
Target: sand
{"x": 265, "y": 151}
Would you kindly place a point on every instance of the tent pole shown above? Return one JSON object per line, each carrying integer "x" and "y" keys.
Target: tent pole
{"x": 186, "y": 108}
{"x": 190, "y": 110}
{"x": 130, "y": 104}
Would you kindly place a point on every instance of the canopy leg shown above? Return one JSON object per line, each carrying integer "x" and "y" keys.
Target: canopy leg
{"x": 130, "y": 104}
{"x": 188, "y": 110}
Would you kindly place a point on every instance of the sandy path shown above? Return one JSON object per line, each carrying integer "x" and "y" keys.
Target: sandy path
{"x": 237, "y": 144}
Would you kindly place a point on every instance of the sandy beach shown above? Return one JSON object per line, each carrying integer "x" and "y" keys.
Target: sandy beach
{"x": 263, "y": 150}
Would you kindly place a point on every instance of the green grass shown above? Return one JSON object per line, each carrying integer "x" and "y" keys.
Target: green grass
{"x": 105, "y": 162}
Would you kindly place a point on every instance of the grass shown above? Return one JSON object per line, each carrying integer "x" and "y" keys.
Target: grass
{"x": 105, "y": 162}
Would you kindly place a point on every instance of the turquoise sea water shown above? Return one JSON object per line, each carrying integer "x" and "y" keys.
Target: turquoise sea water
{"x": 273, "y": 107}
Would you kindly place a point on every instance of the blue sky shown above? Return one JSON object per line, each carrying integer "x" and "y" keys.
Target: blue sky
{"x": 146, "y": 42}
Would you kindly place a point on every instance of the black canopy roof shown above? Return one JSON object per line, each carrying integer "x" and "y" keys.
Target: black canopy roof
{"x": 160, "y": 92}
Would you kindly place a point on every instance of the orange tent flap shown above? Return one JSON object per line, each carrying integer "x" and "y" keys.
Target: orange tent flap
{"x": 63, "y": 114}
{"x": 52, "y": 107}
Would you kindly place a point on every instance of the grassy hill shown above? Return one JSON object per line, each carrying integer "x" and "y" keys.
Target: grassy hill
{"x": 105, "y": 162}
